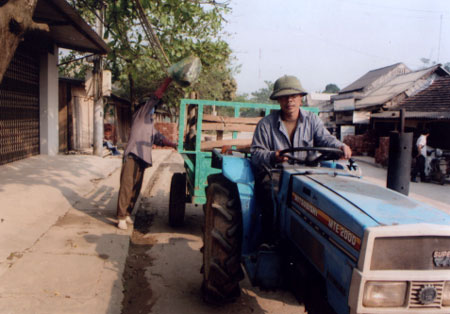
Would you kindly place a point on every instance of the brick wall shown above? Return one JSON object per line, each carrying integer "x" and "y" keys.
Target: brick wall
{"x": 363, "y": 144}
{"x": 382, "y": 152}
{"x": 169, "y": 130}
{"x": 110, "y": 133}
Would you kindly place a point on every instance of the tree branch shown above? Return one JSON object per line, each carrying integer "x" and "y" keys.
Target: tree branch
{"x": 39, "y": 27}
{"x": 212, "y": 2}
{"x": 18, "y": 26}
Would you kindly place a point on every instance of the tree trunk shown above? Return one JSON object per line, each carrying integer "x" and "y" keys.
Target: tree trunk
{"x": 131, "y": 81}
{"x": 16, "y": 18}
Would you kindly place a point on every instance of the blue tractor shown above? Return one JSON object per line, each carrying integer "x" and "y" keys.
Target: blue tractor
{"x": 361, "y": 247}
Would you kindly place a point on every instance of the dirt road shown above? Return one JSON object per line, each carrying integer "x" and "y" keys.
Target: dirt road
{"x": 163, "y": 267}
{"x": 162, "y": 274}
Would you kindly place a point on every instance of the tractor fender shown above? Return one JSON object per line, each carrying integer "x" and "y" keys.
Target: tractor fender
{"x": 239, "y": 171}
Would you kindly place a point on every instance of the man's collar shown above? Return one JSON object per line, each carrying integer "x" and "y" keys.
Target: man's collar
{"x": 301, "y": 116}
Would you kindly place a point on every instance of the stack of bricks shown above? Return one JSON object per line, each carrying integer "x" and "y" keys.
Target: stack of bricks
{"x": 169, "y": 130}
{"x": 110, "y": 133}
{"x": 382, "y": 152}
{"x": 361, "y": 144}
{"x": 350, "y": 140}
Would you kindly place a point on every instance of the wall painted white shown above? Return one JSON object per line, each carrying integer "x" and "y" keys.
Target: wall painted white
{"x": 48, "y": 103}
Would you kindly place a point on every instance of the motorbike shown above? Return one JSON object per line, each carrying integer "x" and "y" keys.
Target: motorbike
{"x": 436, "y": 166}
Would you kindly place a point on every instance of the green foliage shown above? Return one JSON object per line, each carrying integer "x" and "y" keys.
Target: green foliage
{"x": 447, "y": 66}
{"x": 184, "y": 27}
{"x": 331, "y": 88}
{"x": 262, "y": 95}
{"x": 428, "y": 63}
{"x": 73, "y": 65}
{"x": 242, "y": 98}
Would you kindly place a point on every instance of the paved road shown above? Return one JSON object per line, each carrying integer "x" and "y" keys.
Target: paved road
{"x": 434, "y": 194}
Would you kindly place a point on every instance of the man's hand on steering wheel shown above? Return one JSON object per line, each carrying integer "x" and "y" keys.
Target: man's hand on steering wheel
{"x": 280, "y": 158}
{"x": 347, "y": 151}
{"x": 325, "y": 153}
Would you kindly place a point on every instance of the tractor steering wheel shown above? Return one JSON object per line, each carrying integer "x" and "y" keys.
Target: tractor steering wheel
{"x": 326, "y": 153}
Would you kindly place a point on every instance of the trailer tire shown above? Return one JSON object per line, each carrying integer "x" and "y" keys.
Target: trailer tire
{"x": 177, "y": 199}
{"x": 222, "y": 239}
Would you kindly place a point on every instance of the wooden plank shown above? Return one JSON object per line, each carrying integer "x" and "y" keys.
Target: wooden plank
{"x": 211, "y": 118}
{"x": 208, "y": 126}
{"x": 234, "y": 142}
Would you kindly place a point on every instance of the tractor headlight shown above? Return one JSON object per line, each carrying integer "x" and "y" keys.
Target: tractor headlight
{"x": 384, "y": 293}
{"x": 446, "y": 294}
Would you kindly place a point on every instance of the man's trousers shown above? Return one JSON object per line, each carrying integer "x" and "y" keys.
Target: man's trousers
{"x": 131, "y": 178}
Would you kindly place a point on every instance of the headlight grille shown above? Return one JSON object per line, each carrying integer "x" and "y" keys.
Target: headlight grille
{"x": 409, "y": 253}
{"x": 419, "y": 288}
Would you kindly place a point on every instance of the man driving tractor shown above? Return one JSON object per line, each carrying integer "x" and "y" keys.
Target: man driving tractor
{"x": 286, "y": 128}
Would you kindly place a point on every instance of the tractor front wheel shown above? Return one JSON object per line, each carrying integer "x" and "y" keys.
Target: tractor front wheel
{"x": 222, "y": 241}
{"x": 177, "y": 199}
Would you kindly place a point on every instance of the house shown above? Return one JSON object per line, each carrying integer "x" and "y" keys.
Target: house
{"x": 76, "y": 122}
{"x": 378, "y": 91}
{"x": 428, "y": 108}
{"x": 322, "y": 101}
{"x": 368, "y": 109}
{"x": 392, "y": 93}
{"x": 117, "y": 121}
{"x": 345, "y": 103}
{"x": 398, "y": 89}
{"x": 29, "y": 106}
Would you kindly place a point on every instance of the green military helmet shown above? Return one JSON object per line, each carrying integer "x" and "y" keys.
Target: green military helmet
{"x": 287, "y": 85}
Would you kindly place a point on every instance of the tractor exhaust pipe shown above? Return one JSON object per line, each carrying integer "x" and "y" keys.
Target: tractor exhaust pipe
{"x": 399, "y": 165}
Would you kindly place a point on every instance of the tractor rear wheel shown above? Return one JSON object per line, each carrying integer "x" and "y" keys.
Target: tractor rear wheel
{"x": 222, "y": 238}
{"x": 177, "y": 199}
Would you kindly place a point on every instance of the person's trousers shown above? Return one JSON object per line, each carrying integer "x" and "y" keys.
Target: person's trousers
{"x": 264, "y": 199}
{"x": 131, "y": 178}
{"x": 419, "y": 168}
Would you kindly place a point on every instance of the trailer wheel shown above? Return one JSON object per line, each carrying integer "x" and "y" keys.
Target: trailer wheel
{"x": 177, "y": 200}
{"x": 222, "y": 238}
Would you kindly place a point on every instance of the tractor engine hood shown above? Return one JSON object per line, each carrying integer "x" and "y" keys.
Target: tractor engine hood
{"x": 385, "y": 206}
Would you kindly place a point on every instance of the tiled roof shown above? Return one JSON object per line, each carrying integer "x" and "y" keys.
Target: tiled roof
{"x": 436, "y": 98}
{"x": 396, "y": 86}
{"x": 412, "y": 115}
{"x": 368, "y": 78}
{"x": 430, "y": 103}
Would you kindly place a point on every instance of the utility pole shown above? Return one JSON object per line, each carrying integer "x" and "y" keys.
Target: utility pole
{"x": 439, "y": 43}
{"x": 98, "y": 92}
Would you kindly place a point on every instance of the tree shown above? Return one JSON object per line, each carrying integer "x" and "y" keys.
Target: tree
{"x": 331, "y": 89}
{"x": 184, "y": 27}
{"x": 242, "y": 97}
{"x": 447, "y": 66}
{"x": 262, "y": 95}
{"x": 16, "y": 18}
{"x": 428, "y": 62}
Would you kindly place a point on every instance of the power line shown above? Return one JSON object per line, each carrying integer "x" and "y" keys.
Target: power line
{"x": 392, "y": 11}
{"x": 408, "y": 9}
{"x": 439, "y": 43}
{"x": 348, "y": 48}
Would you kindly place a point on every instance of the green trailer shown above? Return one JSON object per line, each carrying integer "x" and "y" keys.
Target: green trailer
{"x": 204, "y": 125}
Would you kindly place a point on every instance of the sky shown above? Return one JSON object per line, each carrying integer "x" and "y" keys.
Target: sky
{"x": 332, "y": 41}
